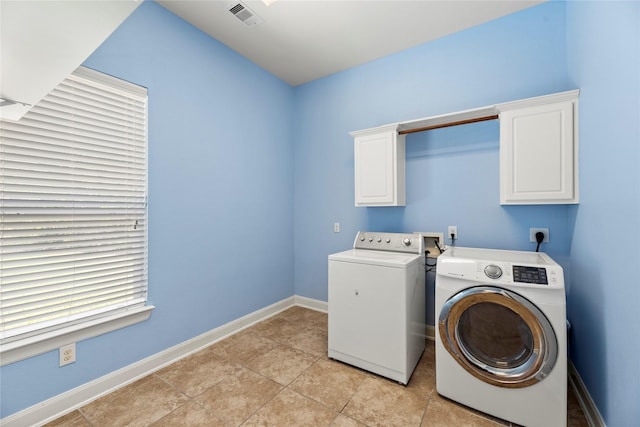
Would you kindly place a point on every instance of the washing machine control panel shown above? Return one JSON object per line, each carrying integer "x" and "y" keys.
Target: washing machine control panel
{"x": 534, "y": 275}
{"x": 501, "y": 268}
{"x": 395, "y": 242}
{"x": 521, "y": 274}
{"x": 508, "y": 272}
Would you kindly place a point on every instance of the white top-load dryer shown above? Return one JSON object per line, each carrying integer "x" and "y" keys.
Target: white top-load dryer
{"x": 377, "y": 304}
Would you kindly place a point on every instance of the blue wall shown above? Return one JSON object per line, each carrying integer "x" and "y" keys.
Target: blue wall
{"x": 604, "y": 61}
{"x": 220, "y": 197}
{"x": 453, "y": 173}
{"x": 242, "y": 165}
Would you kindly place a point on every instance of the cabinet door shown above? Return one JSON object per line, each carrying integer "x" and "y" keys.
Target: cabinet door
{"x": 379, "y": 169}
{"x": 537, "y": 155}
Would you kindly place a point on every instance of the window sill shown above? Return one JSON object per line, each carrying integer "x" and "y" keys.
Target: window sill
{"x": 21, "y": 349}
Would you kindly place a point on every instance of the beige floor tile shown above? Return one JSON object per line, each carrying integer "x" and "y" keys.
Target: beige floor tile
{"x": 377, "y": 402}
{"x": 275, "y": 329}
{"x": 138, "y": 404}
{"x": 344, "y": 421}
{"x": 312, "y": 341}
{"x": 196, "y": 373}
{"x": 190, "y": 415}
{"x": 301, "y": 315}
{"x": 242, "y": 347}
{"x": 444, "y": 413}
{"x": 423, "y": 379}
{"x": 282, "y": 364}
{"x": 289, "y": 408}
{"x": 236, "y": 398}
{"x": 72, "y": 419}
{"x": 316, "y": 319}
{"x": 330, "y": 383}
{"x": 429, "y": 356}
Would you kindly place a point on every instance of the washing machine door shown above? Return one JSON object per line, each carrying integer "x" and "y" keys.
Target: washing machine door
{"x": 498, "y": 336}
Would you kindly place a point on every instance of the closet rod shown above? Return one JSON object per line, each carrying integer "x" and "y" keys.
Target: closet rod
{"x": 444, "y": 125}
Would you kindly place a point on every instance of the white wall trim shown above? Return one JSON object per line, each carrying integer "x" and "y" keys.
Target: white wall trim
{"x": 430, "y": 332}
{"x": 311, "y": 303}
{"x": 66, "y": 402}
{"x": 587, "y": 404}
{"x": 21, "y": 349}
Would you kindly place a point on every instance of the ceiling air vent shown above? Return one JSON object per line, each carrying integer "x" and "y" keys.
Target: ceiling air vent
{"x": 244, "y": 14}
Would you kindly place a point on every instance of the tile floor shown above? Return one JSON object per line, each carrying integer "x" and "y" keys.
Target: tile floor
{"x": 277, "y": 373}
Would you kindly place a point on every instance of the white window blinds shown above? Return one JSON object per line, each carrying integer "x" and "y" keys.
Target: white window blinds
{"x": 73, "y": 191}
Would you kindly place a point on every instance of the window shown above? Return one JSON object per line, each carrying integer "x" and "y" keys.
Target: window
{"x": 73, "y": 211}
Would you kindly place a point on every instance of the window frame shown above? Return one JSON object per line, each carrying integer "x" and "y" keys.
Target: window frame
{"x": 20, "y": 347}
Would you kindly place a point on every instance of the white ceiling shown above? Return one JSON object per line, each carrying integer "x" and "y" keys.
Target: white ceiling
{"x": 303, "y": 40}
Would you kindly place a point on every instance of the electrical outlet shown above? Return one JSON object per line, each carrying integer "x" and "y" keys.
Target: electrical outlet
{"x": 533, "y": 231}
{"x": 336, "y": 227}
{"x": 452, "y": 230}
{"x": 67, "y": 354}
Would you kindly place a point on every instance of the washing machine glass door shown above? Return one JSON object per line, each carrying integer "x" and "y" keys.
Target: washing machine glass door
{"x": 498, "y": 336}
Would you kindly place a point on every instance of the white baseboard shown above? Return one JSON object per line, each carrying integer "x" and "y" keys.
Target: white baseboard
{"x": 66, "y": 402}
{"x": 311, "y": 303}
{"x": 587, "y": 404}
{"x": 430, "y": 332}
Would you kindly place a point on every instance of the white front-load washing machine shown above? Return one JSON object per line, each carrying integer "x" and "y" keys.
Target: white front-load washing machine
{"x": 377, "y": 304}
{"x": 501, "y": 334}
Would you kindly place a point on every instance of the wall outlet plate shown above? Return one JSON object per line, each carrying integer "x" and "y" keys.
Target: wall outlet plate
{"x": 533, "y": 231}
{"x": 67, "y": 354}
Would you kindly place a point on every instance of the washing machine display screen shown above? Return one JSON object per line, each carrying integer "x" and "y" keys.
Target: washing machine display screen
{"x": 535, "y": 275}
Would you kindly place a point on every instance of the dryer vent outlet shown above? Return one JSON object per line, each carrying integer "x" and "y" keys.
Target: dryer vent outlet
{"x": 433, "y": 243}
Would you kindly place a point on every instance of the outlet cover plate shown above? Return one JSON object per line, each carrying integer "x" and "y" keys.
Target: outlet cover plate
{"x": 533, "y": 231}
{"x": 67, "y": 354}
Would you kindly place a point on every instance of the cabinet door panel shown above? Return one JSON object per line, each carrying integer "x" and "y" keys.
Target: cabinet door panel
{"x": 379, "y": 168}
{"x": 373, "y": 175}
{"x": 537, "y": 155}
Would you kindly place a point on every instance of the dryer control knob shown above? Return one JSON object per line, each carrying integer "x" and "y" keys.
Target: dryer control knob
{"x": 493, "y": 271}
{"x": 407, "y": 241}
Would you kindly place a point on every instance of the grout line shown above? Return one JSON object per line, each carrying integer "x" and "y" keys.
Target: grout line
{"x": 262, "y": 406}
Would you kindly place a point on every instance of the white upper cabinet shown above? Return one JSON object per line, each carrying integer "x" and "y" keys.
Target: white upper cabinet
{"x": 379, "y": 167}
{"x": 538, "y": 150}
{"x": 42, "y": 42}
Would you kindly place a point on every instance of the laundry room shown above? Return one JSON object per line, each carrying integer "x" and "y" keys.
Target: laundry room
{"x": 251, "y": 188}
